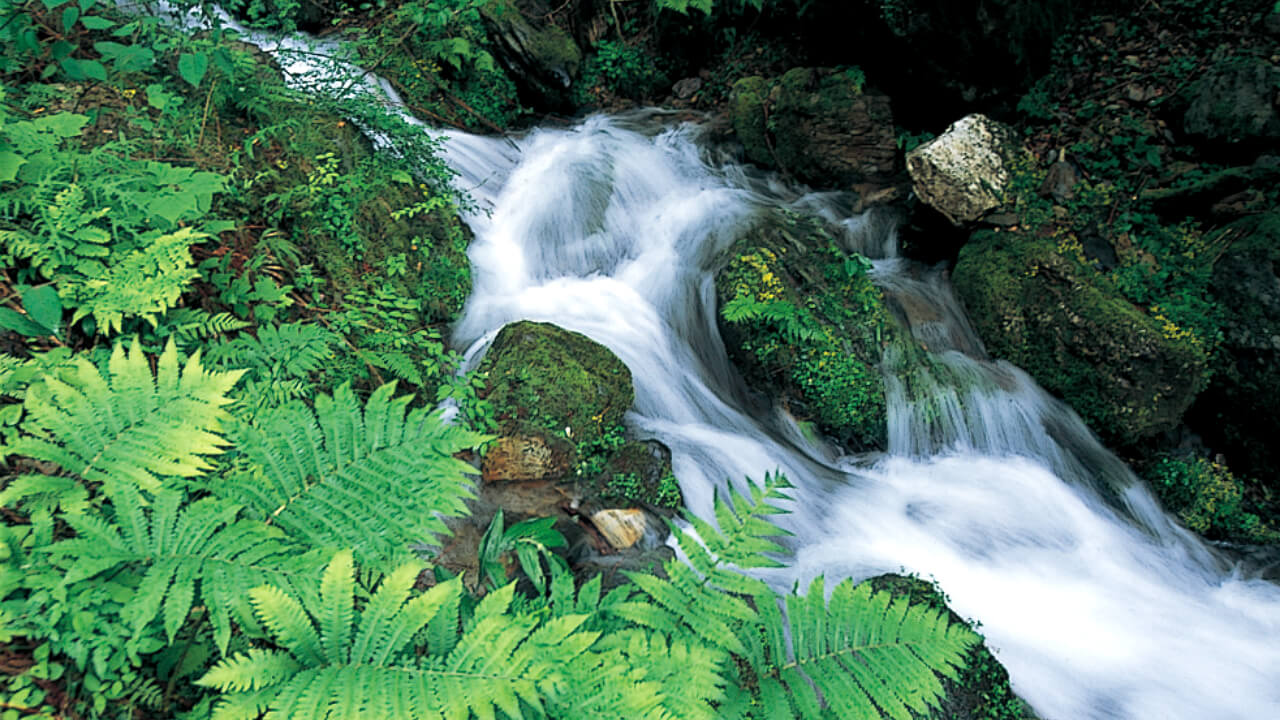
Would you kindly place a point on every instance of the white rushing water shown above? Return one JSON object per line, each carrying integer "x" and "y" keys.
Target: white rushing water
{"x": 1097, "y": 604}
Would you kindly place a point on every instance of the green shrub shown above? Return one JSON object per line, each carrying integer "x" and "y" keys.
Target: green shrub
{"x": 1208, "y": 499}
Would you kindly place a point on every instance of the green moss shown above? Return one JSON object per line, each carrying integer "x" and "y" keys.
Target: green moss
{"x": 746, "y": 112}
{"x": 1130, "y": 375}
{"x": 545, "y": 379}
{"x": 800, "y": 314}
{"x": 1207, "y": 499}
{"x": 640, "y": 472}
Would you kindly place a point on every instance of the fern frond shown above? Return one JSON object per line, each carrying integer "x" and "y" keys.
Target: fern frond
{"x": 127, "y": 426}
{"x": 502, "y": 662}
{"x": 181, "y": 551}
{"x": 145, "y": 282}
{"x": 375, "y": 480}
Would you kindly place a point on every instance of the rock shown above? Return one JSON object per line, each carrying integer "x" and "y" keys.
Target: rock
{"x": 1235, "y": 101}
{"x": 823, "y": 358}
{"x": 816, "y": 124}
{"x": 964, "y": 172}
{"x": 622, "y": 529}
{"x": 1128, "y": 374}
{"x": 523, "y": 458}
{"x": 543, "y": 379}
{"x": 1236, "y": 414}
{"x": 541, "y": 58}
{"x": 686, "y": 88}
{"x": 1060, "y": 182}
{"x": 640, "y": 472}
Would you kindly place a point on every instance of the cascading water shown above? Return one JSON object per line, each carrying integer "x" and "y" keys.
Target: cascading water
{"x": 1098, "y": 605}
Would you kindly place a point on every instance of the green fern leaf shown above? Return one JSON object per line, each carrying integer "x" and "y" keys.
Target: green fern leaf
{"x": 376, "y": 480}
{"x": 127, "y": 426}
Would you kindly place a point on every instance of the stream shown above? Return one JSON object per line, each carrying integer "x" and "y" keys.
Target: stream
{"x": 1099, "y": 605}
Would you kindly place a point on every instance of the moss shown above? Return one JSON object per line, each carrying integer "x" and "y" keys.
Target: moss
{"x": 640, "y": 472}
{"x": 1208, "y": 499}
{"x": 1130, "y": 375}
{"x": 981, "y": 690}
{"x": 800, "y": 314}
{"x": 746, "y": 112}
{"x": 543, "y": 379}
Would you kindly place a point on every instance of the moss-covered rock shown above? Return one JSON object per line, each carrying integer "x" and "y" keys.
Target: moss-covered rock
{"x": 1237, "y": 412}
{"x": 559, "y": 398}
{"x": 541, "y": 57}
{"x": 1130, "y": 375}
{"x": 982, "y": 690}
{"x": 800, "y": 317}
{"x": 816, "y": 124}
{"x": 542, "y": 378}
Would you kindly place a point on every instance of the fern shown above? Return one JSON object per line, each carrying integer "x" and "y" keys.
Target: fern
{"x": 178, "y": 549}
{"x": 797, "y": 324}
{"x": 375, "y": 480}
{"x": 144, "y": 283}
{"x": 279, "y": 361}
{"x": 127, "y": 426}
{"x": 338, "y": 662}
{"x": 860, "y": 656}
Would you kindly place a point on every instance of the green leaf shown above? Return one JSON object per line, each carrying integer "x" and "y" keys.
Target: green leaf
{"x": 9, "y": 164}
{"x": 94, "y": 70}
{"x": 21, "y": 324}
{"x": 94, "y": 22}
{"x": 192, "y": 67}
{"x": 69, "y": 17}
{"x": 44, "y": 306}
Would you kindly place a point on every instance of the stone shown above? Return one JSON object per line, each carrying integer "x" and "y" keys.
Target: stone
{"x": 1235, "y": 101}
{"x": 817, "y": 124}
{"x": 542, "y": 58}
{"x": 686, "y": 88}
{"x": 622, "y": 529}
{"x": 964, "y": 172}
{"x": 523, "y": 458}
{"x": 1129, "y": 374}
{"x": 1060, "y": 182}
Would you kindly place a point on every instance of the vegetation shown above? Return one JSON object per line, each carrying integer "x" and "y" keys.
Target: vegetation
{"x": 799, "y": 312}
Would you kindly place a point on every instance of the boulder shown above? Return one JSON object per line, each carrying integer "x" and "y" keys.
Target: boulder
{"x": 1237, "y": 412}
{"x": 1235, "y": 101}
{"x": 965, "y": 172}
{"x": 545, "y": 380}
{"x": 541, "y": 58}
{"x": 802, "y": 320}
{"x": 816, "y": 124}
{"x": 1129, "y": 374}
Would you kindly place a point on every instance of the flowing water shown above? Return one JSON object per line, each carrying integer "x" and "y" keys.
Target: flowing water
{"x": 1099, "y": 606}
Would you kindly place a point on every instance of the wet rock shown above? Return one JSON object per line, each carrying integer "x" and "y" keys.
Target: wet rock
{"x": 817, "y": 124}
{"x": 964, "y": 172}
{"x": 802, "y": 321}
{"x": 1237, "y": 412}
{"x": 522, "y": 458}
{"x": 1235, "y": 101}
{"x": 1129, "y": 374}
{"x": 622, "y": 529}
{"x": 544, "y": 380}
{"x": 686, "y": 88}
{"x": 541, "y": 58}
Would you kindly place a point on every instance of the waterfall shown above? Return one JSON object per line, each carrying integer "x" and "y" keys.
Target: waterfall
{"x": 1099, "y": 605}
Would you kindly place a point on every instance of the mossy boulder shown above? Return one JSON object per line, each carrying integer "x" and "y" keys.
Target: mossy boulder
{"x": 1128, "y": 373}
{"x": 542, "y": 58}
{"x": 542, "y": 378}
{"x": 1235, "y": 101}
{"x": 559, "y": 398}
{"x": 800, "y": 317}
{"x": 981, "y": 691}
{"x": 817, "y": 124}
{"x": 1237, "y": 412}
